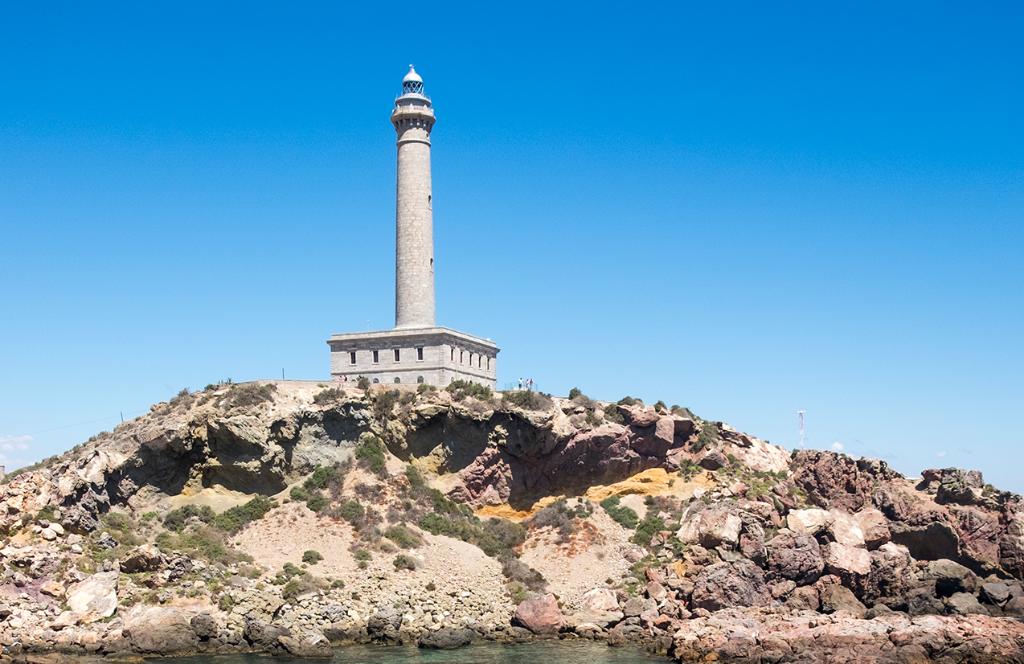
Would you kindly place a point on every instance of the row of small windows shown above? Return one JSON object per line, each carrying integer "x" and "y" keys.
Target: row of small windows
{"x": 419, "y": 379}
{"x": 376, "y": 355}
{"x": 480, "y": 359}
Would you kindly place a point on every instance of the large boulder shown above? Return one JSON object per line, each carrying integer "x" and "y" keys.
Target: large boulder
{"x": 145, "y": 558}
{"x": 845, "y": 529}
{"x": 808, "y": 521}
{"x": 599, "y": 606}
{"x": 892, "y": 575}
{"x": 951, "y": 577}
{"x": 847, "y": 562}
{"x": 447, "y": 638}
{"x": 725, "y": 585}
{"x": 160, "y": 630}
{"x": 836, "y": 597}
{"x": 95, "y": 598}
{"x": 874, "y": 527}
{"x": 796, "y": 557}
{"x": 384, "y": 625}
{"x": 712, "y": 527}
{"x": 540, "y": 615}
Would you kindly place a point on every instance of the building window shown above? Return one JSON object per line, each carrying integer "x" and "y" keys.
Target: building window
{"x": 419, "y": 354}
{"x": 479, "y": 361}
{"x": 397, "y": 379}
{"x": 419, "y": 379}
{"x": 376, "y": 357}
{"x": 488, "y": 362}
{"x": 376, "y": 380}
{"x": 398, "y": 355}
{"x": 351, "y": 357}
{"x": 453, "y": 355}
{"x": 461, "y": 357}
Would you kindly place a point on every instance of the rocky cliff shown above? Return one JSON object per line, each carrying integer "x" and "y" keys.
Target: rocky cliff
{"x": 287, "y": 516}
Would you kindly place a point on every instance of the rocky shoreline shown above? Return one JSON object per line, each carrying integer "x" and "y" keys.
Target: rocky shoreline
{"x": 295, "y": 518}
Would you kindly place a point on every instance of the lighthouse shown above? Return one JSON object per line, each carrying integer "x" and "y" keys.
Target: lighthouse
{"x": 413, "y": 118}
{"x": 416, "y": 350}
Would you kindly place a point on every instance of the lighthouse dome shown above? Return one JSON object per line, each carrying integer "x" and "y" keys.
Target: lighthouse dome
{"x": 412, "y": 83}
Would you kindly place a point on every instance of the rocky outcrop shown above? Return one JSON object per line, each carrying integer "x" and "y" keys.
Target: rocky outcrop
{"x": 540, "y": 615}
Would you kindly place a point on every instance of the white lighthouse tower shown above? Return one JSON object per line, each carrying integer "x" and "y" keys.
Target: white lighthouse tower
{"x": 416, "y": 350}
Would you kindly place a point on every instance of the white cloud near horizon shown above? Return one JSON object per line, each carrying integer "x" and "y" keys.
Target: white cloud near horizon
{"x": 838, "y": 447}
{"x": 15, "y": 443}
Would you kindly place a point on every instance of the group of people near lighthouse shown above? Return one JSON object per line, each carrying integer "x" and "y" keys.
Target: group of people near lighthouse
{"x": 526, "y": 383}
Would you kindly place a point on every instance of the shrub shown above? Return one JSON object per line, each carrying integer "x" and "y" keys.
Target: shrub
{"x": 629, "y": 401}
{"x": 460, "y": 389}
{"x": 527, "y": 400}
{"x": 351, "y": 511}
{"x": 660, "y": 406}
{"x": 330, "y": 395}
{"x": 225, "y": 603}
{"x": 403, "y": 536}
{"x": 249, "y": 394}
{"x": 682, "y": 411}
{"x": 647, "y": 529}
{"x": 621, "y": 514}
{"x": 707, "y": 437}
{"x": 177, "y": 518}
{"x": 370, "y": 452}
{"x": 299, "y": 493}
{"x": 416, "y": 481}
{"x": 311, "y": 557}
{"x": 612, "y": 414}
{"x": 403, "y": 561}
{"x": 300, "y": 586}
{"x": 363, "y": 383}
{"x": 424, "y": 388}
{"x": 519, "y": 572}
{"x": 234, "y": 519}
{"x": 574, "y": 393}
{"x": 383, "y": 402}
{"x": 557, "y": 516}
{"x": 317, "y": 502}
{"x": 362, "y": 556}
{"x": 203, "y": 542}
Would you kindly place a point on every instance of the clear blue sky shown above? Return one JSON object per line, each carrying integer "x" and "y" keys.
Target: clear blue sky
{"x": 744, "y": 208}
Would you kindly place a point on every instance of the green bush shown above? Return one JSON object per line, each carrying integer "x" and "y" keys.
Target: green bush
{"x": 203, "y": 542}
{"x": 621, "y": 514}
{"x": 299, "y": 493}
{"x": 647, "y": 529}
{"x": 403, "y": 561}
{"x": 383, "y": 402}
{"x": 403, "y": 536}
{"x": 460, "y": 389}
{"x": 300, "y": 586}
{"x": 330, "y": 395}
{"x": 250, "y": 394}
{"x": 416, "y": 481}
{"x": 708, "y": 436}
{"x": 176, "y": 519}
{"x": 612, "y": 414}
{"x": 527, "y": 400}
{"x": 317, "y": 502}
{"x": 351, "y": 511}
{"x": 424, "y": 388}
{"x": 629, "y": 401}
{"x": 234, "y": 519}
{"x": 363, "y": 383}
{"x": 311, "y": 557}
{"x": 370, "y": 453}
{"x": 574, "y": 393}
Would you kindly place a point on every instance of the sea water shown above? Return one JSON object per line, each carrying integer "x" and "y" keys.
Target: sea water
{"x": 544, "y": 652}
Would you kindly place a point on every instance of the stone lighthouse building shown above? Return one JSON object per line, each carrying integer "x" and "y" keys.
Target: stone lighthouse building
{"x": 416, "y": 350}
